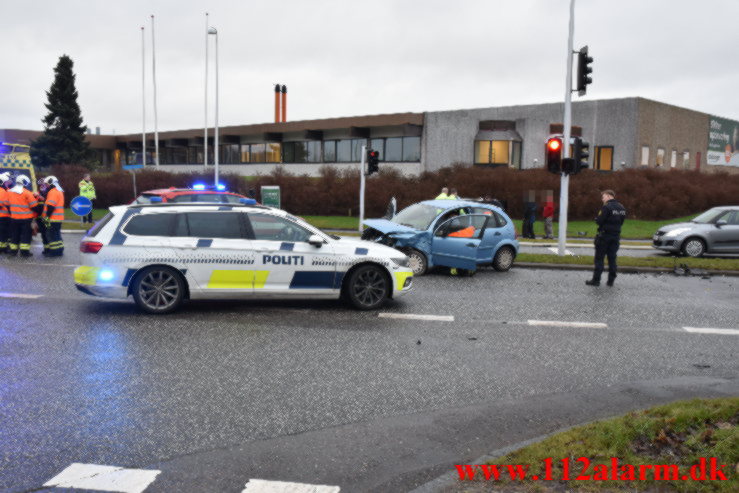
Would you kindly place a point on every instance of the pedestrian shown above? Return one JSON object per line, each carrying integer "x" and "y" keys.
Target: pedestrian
{"x": 53, "y": 216}
{"x": 444, "y": 195}
{"x": 5, "y": 184}
{"x": 548, "y": 214}
{"x": 87, "y": 189}
{"x": 21, "y": 202}
{"x": 529, "y": 215}
{"x": 453, "y": 195}
{"x": 610, "y": 219}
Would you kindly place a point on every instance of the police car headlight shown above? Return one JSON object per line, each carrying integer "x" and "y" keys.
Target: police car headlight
{"x": 676, "y": 232}
{"x": 400, "y": 261}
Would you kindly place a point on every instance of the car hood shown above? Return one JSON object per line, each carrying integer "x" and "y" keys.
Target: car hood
{"x": 385, "y": 226}
{"x": 371, "y": 247}
{"x": 670, "y": 227}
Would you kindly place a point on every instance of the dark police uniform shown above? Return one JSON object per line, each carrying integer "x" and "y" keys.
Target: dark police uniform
{"x": 610, "y": 218}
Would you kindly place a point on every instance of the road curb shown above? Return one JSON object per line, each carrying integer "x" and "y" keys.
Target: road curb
{"x": 622, "y": 270}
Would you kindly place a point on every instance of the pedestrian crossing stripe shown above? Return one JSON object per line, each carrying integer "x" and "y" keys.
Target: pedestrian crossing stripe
{"x": 266, "y": 486}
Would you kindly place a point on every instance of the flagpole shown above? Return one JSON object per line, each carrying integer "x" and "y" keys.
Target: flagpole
{"x": 154, "y": 78}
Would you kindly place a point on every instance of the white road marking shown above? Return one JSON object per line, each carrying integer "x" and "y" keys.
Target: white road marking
{"x": 104, "y": 478}
{"x": 707, "y": 330}
{"x": 414, "y": 316}
{"x": 265, "y": 486}
{"x": 556, "y": 251}
{"x": 20, "y": 295}
{"x": 556, "y": 323}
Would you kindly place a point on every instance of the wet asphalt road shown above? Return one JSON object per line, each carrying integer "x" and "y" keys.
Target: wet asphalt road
{"x": 314, "y": 392}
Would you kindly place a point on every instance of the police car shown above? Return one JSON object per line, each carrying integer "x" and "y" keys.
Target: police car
{"x": 163, "y": 254}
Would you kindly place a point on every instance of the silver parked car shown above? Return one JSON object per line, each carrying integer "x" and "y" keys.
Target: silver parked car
{"x": 715, "y": 231}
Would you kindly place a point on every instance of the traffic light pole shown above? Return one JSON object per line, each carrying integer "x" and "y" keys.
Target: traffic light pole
{"x": 564, "y": 189}
{"x": 361, "y": 188}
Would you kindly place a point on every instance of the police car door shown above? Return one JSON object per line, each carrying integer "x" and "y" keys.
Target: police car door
{"x": 456, "y": 241}
{"x": 213, "y": 247}
{"x": 288, "y": 264}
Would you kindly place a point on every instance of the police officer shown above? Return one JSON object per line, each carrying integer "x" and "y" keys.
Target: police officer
{"x": 610, "y": 219}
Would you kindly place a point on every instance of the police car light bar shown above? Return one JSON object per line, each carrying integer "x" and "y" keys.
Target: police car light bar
{"x": 198, "y": 186}
{"x": 220, "y": 187}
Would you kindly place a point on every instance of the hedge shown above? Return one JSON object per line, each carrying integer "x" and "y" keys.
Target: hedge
{"x": 647, "y": 194}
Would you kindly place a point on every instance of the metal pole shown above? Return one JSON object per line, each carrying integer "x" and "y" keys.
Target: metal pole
{"x": 154, "y": 78}
{"x": 205, "y": 125}
{"x": 216, "y": 148}
{"x": 133, "y": 172}
{"x": 143, "y": 99}
{"x": 564, "y": 190}
{"x": 361, "y": 188}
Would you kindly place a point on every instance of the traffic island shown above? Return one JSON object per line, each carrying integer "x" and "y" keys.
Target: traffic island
{"x": 686, "y": 446}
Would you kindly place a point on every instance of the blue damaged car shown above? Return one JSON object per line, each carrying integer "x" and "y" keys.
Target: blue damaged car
{"x": 460, "y": 234}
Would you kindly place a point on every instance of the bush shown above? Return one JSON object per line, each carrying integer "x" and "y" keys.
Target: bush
{"x": 647, "y": 194}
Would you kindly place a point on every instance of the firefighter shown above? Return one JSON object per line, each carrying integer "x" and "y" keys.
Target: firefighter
{"x": 5, "y": 183}
{"x": 53, "y": 216}
{"x": 21, "y": 202}
{"x": 38, "y": 212}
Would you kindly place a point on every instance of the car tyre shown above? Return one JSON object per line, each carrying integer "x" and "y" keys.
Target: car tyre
{"x": 368, "y": 287}
{"x": 158, "y": 290}
{"x": 694, "y": 247}
{"x": 417, "y": 261}
{"x": 503, "y": 259}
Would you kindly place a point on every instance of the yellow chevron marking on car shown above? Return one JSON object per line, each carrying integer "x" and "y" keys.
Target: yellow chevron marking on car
{"x": 86, "y": 275}
{"x": 400, "y": 278}
{"x": 237, "y": 279}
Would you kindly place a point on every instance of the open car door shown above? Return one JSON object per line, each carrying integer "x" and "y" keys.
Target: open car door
{"x": 456, "y": 241}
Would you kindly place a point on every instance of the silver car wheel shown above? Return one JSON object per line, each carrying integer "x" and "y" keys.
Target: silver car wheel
{"x": 159, "y": 290}
{"x": 417, "y": 262}
{"x": 503, "y": 259}
{"x": 694, "y": 247}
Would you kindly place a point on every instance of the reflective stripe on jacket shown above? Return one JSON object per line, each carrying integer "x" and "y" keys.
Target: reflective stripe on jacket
{"x": 4, "y": 203}
{"x": 21, "y": 204}
{"x": 87, "y": 189}
{"x": 55, "y": 199}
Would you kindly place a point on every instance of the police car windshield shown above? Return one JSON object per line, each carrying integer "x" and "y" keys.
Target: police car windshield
{"x": 709, "y": 216}
{"x": 417, "y": 216}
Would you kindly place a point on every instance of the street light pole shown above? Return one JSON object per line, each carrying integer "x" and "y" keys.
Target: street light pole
{"x": 564, "y": 189}
{"x": 143, "y": 98}
{"x": 361, "y": 187}
{"x": 154, "y": 78}
{"x": 214, "y": 32}
{"x": 205, "y": 124}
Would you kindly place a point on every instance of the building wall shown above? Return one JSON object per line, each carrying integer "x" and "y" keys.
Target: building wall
{"x": 408, "y": 169}
{"x": 449, "y": 135}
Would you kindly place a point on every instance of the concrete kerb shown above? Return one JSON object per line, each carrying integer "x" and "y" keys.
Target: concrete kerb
{"x": 621, "y": 270}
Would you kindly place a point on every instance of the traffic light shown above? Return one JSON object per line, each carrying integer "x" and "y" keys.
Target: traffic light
{"x": 553, "y": 155}
{"x": 580, "y": 154}
{"x": 583, "y": 71}
{"x": 373, "y": 159}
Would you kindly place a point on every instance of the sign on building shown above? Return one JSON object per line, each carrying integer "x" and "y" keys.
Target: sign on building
{"x": 723, "y": 142}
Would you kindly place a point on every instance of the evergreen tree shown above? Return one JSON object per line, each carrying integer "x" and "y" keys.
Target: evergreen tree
{"x": 63, "y": 140}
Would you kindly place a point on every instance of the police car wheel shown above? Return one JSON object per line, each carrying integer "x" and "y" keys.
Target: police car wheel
{"x": 367, "y": 288}
{"x": 503, "y": 259}
{"x": 694, "y": 247}
{"x": 417, "y": 262}
{"x": 158, "y": 289}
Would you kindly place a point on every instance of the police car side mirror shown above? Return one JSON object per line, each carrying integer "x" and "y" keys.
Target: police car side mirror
{"x": 721, "y": 222}
{"x": 316, "y": 241}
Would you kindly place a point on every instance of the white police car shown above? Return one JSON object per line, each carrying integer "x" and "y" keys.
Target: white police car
{"x": 165, "y": 253}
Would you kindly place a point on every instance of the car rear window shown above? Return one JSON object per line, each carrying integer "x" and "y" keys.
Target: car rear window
{"x": 149, "y": 225}
{"x": 198, "y": 197}
{"x": 100, "y": 225}
{"x": 215, "y": 224}
{"x": 144, "y": 199}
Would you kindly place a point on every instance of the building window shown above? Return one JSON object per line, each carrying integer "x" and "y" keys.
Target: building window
{"x": 645, "y": 155}
{"x": 660, "y": 157}
{"x": 603, "y": 159}
{"x": 498, "y": 152}
{"x": 516, "y": 155}
{"x": 673, "y": 159}
{"x": 230, "y": 153}
{"x": 482, "y": 152}
{"x": 379, "y": 146}
{"x": 313, "y": 151}
{"x": 273, "y": 152}
{"x": 394, "y": 149}
{"x": 357, "y": 149}
{"x": 329, "y": 151}
{"x": 411, "y": 149}
{"x": 344, "y": 151}
{"x": 686, "y": 159}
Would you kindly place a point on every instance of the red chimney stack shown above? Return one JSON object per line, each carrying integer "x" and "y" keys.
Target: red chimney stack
{"x": 284, "y": 103}
{"x": 277, "y": 103}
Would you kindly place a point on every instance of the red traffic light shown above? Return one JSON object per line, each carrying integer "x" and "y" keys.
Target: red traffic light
{"x": 554, "y": 144}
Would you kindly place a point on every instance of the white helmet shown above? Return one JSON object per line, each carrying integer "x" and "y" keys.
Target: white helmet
{"x": 49, "y": 180}
{"x": 23, "y": 180}
{"x": 4, "y": 177}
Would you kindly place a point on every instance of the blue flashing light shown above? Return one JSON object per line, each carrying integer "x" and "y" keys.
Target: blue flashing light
{"x": 198, "y": 186}
{"x": 220, "y": 187}
{"x": 155, "y": 200}
{"x": 106, "y": 275}
{"x": 248, "y": 201}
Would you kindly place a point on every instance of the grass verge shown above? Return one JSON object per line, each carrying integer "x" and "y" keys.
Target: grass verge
{"x": 677, "y": 434}
{"x": 667, "y": 262}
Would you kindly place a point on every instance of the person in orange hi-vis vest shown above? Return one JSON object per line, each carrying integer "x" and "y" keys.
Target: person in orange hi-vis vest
{"x": 5, "y": 183}
{"x": 53, "y": 216}
{"x": 21, "y": 202}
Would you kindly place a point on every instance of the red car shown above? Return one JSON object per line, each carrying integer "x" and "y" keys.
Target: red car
{"x": 196, "y": 194}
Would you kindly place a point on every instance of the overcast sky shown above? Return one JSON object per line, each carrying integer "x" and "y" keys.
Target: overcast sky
{"x": 352, "y": 57}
